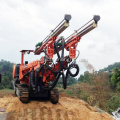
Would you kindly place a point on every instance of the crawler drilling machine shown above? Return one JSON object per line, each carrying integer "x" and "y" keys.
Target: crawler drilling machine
{"x": 39, "y": 78}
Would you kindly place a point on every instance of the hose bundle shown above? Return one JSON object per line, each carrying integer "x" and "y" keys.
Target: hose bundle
{"x": 59, "y": 72}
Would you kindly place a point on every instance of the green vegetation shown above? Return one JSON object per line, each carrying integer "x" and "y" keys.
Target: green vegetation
{"x": 6, "y": 72}
{"x": 7, "y": 90}
{"x": 85, "y": 78}
{"x": 113, "y": 103}
{"x": 69, "y": 92}
{"x": 115, "y": 79}
{"x": 101, "y": 89}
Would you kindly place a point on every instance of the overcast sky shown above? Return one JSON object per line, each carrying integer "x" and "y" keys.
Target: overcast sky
{"x": 23, "y": 23}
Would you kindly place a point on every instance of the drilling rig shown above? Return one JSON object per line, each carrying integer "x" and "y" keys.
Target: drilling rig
{"x": 39, "y": 78}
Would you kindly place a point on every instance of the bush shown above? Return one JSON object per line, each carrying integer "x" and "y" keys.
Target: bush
{"x": 85, "y": 97}
{"x": 69, "y": 92}
{"x": 113, "y": 103}
{"x": 115, "y": 79}
{"x": 1, "y": 87}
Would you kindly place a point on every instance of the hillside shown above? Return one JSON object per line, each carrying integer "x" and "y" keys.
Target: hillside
{"x": 110, "y": 67}
{"x": 67, "y": 109}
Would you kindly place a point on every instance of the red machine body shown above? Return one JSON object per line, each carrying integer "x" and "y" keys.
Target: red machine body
{"x": 39, "y": 78}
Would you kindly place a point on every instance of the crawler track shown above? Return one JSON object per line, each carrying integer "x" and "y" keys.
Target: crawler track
{"x": 54, "y": 96}
{"x": 23, "y": 93}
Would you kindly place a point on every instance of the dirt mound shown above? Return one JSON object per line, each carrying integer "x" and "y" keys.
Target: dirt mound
{"x": 66, "y": 109}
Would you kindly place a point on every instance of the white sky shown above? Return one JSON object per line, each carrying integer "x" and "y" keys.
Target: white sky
{"x": 23, "y": 23}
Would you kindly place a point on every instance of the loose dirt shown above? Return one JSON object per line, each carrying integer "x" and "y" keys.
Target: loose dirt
{"x": 67, "y": 109}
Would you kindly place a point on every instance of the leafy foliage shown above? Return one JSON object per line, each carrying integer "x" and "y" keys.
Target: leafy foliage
{"x": 68, "y": 92}
{"x": 81, "y": 78}
{"x": 71, "y": 80}
{"x": 6, "y": 72}
{"x": 113, "y": 103}
{"x": 115, "y": 79}
{"x": 87, "y": 77}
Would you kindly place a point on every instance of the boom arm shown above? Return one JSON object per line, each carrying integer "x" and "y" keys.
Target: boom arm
{"x": 48, "y": 42}
{"x": 73, "y": 39}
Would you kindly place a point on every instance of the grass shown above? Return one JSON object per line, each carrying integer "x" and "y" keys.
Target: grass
{"x": 5, "y": 92}
{"x": 69, "y": 92}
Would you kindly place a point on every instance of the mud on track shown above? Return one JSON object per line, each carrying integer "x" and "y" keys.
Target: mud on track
{"x": 66, "y": 109}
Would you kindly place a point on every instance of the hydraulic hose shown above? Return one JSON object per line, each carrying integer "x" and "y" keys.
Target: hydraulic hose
{"x": 55, "y": 46}
{"x": 77, "y": 70}
{"x": 40, "y": 82}
{"x": 54, "y": 83}
{"x": 32, "y": 80}
{"x": 62, "y": 67}
{"x": 69, "y": 73}
{"x": 64, "y": 80}
{"x": 26, "y": 74}
{"x": 59, "y": 72}
{"x": 61, "y": 64}
{"x": 62, "y": 53}
{"x": 49, "y": 68}
{"x": 36, "y": 75}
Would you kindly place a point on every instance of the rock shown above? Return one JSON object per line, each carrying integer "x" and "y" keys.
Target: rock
{"x": 116, "y": 114}
{"x": 3, "y": 114}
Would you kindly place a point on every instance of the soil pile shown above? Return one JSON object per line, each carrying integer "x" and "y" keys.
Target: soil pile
{"x": 66, "y": 109}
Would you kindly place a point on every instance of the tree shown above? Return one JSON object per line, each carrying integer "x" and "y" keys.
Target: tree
{"x": 71, "y": 80}
{"x": 81, "y": 78}
{"x": 87, "y": 77}
{"x": 115, "y": 79}
{"x": 6, "y": 72}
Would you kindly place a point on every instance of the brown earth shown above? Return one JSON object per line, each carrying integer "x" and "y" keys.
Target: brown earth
{"x": 67, "y": 109}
